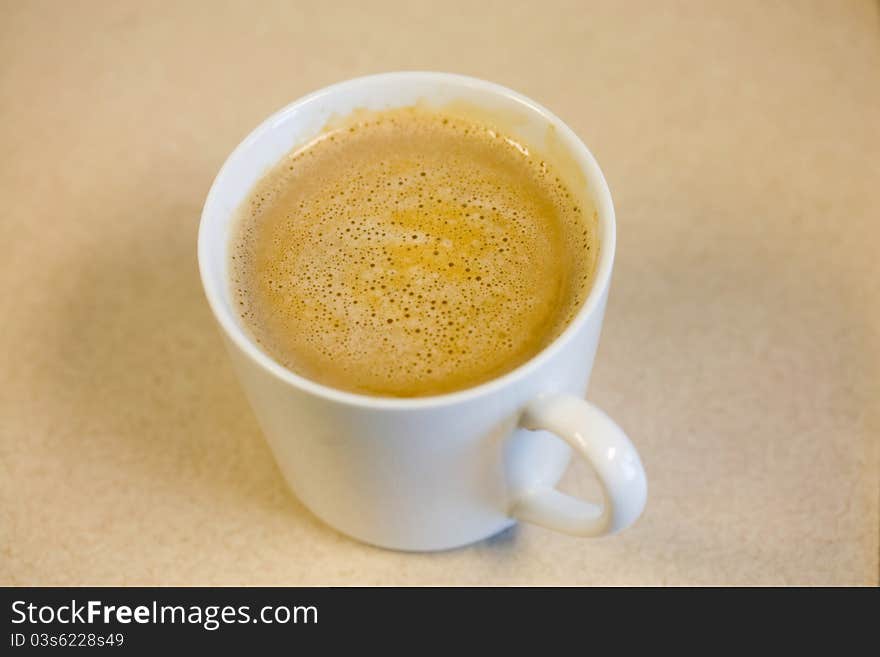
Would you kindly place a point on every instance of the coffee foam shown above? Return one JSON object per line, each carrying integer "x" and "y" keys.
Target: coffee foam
{"x": 410, "y": 253}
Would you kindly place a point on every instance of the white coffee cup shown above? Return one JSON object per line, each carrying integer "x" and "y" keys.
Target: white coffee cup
{"x": 437, "y": 472}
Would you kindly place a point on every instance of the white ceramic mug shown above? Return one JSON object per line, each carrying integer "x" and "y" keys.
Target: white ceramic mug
{"x": 437, "y": 472}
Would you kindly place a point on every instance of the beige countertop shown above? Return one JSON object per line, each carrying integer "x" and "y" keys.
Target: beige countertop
{"x": 741, "y": 348}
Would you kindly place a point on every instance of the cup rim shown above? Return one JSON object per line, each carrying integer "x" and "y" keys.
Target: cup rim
{"x": 607, "y": 241}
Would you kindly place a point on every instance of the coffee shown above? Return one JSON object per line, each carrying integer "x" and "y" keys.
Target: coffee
{"x": 410, "y": 253}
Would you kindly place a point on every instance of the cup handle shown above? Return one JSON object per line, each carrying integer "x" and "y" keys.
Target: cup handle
{"x": 596, "y": 438}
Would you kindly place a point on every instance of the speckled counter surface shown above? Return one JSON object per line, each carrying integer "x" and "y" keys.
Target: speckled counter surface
{"x": 741, "y": 348}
